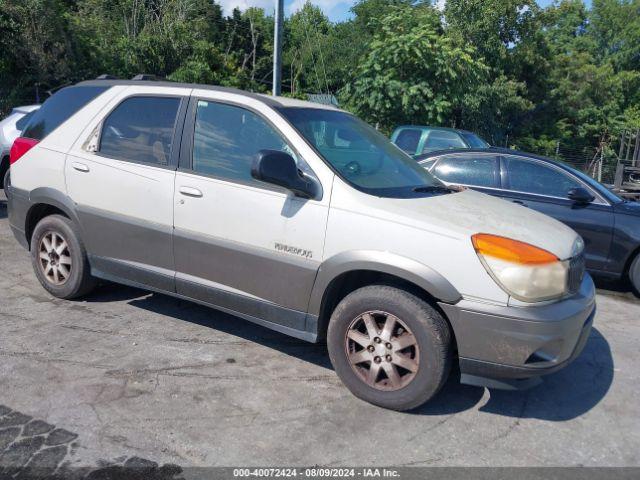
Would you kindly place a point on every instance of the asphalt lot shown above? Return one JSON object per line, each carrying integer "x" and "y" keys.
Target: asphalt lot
{"x": 127, "y": 375}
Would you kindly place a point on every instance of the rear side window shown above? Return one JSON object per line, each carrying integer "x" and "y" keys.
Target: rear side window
{"x": 442, "y": 140}
{"x": 477, "y": 171}
{"x": 140, "y": 129}
{"x": 58, "y": 108}
{"x": 408, "y": 140}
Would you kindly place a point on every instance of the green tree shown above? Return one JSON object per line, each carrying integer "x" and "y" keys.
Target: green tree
{"x": 413, "y": 73}
{"x": 307, "y": 57}
{"x": 38, "y": 50}
{"x": 615, "y": 28}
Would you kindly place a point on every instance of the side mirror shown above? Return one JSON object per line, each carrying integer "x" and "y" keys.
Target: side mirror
{"x": 580, "y": 195}
{"x": 279, "y": 168}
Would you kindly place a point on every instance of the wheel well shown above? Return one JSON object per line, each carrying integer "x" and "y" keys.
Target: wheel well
{"x": 344, "y": 284}
{"x": 36, "y": 213}
{"x": 4, "y": 165}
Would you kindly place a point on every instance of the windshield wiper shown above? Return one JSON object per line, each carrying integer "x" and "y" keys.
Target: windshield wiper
{"x": 433, "y": 188}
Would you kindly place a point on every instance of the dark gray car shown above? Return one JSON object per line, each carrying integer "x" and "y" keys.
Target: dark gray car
{"x": 609, "y": 225}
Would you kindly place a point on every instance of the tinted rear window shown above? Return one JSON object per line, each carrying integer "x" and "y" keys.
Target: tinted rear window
{"x": 408, "y": 140}
{"x": 58, "y": 108}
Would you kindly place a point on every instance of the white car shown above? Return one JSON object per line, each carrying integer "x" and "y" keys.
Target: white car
{"x": 10, "y": 128}
{"x": 301, "y": 218}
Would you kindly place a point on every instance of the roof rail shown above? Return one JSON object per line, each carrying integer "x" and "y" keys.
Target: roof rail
{"x": 145, "y": 76}
{"x": 106, "y": 76}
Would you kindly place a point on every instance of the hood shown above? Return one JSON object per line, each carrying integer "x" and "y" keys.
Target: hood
{"x": 466, "y": 213}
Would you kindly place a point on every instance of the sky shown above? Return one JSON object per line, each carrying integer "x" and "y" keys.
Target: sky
{"x": 336, "y": 10}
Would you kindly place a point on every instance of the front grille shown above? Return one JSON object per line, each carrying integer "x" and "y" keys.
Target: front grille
{"x": 576, "y": 272}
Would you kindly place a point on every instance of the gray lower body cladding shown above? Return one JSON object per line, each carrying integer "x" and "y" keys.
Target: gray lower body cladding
{"x": 276, "y": 277}
{"x": 515, "y": 343}
{"x": 290, "y": 322}
{"x": 18, "y": 206}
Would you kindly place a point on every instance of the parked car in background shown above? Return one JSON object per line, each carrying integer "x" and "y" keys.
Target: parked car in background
{"x": 10, "y": 129}
{"x": 304, "y": 219}
{"x": 609, "y": 225}
{"x": 416, "y": 139}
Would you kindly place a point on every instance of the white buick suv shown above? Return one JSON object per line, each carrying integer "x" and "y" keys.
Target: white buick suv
{"x": 301, "y": 218}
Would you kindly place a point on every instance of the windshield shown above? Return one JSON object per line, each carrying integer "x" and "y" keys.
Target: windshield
{"x": 474, "y": 141}
{"x": 362, "y": 156}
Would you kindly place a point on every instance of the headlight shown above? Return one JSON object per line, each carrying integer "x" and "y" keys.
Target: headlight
{"x": 525, "y": 272}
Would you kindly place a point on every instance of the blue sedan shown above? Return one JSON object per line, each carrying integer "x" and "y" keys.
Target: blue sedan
{"x": 609, "y": 225}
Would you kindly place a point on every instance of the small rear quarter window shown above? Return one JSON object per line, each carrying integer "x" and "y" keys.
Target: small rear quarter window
{"x": 58, "y": 108}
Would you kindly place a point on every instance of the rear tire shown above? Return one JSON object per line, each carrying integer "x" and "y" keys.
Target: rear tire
{"x": 379, "y": 329}
{"x": 4, "y": 173}
{"x": 634, "y": 275}
{"x": 59, "y": 258}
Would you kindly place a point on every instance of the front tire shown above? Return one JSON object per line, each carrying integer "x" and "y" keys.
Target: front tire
{"x": 59, "y": 258}
{"x": 389, "y": 347}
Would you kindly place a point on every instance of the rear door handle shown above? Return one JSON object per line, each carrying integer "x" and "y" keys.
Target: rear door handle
{"x": 190, "y": 192}
{"x": 81, "y": 167}
{"x": 519, "y": 202}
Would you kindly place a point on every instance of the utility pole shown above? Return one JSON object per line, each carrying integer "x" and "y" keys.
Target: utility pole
{"x": 277, "y": 48}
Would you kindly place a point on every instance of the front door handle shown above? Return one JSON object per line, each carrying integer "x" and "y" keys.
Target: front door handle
{"x": 519, "y": 202}
{"x": 190, "y": 192}
{"x": 81, "y": 167}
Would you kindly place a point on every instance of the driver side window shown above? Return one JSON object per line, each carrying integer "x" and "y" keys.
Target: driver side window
{"x": 227, "y": 138}
{"x": 140, "y": 129}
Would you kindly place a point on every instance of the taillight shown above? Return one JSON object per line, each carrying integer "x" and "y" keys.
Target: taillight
{"x": 21, "y": 146}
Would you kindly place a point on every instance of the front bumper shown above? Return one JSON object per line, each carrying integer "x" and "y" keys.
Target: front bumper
{"x": 501, "y": 346}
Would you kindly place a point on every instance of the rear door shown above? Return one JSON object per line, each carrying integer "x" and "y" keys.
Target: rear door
{"x": 120, "y": 173}
{"x": 544, "y": 187}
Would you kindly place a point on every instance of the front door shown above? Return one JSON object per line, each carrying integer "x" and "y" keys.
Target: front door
{"x": 121, "y": 176}
{"x": 239, "y": 243}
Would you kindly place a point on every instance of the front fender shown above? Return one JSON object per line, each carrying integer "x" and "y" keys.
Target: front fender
{"x": 384, "y": 262}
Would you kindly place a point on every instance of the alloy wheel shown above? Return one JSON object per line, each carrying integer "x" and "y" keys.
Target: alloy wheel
{"x": 382, "y": 350}
{"x": 55, "y": 259}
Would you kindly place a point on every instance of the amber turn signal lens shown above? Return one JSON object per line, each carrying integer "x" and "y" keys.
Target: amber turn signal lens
{"x": 511, "y": 250}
